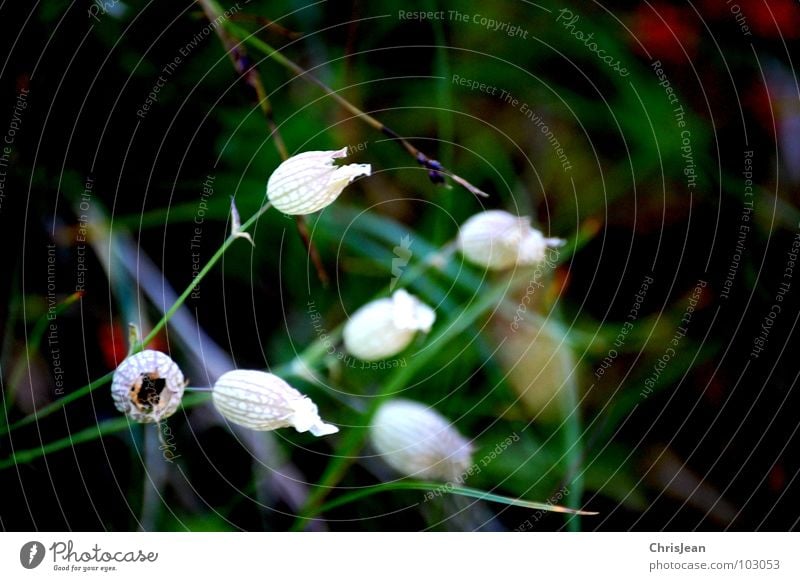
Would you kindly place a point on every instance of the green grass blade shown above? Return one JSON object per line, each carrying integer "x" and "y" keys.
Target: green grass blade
{"x": 449, "y": 489}
{"x": 354, "y": 439}
{"x": 58, "y": 404}
{"x": 97, "y": 431}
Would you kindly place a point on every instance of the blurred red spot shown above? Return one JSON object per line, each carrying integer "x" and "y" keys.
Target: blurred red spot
{"x": 113, "y": 344}
{"x": 159, "y": 343}
{"x": 666, "y": 31}
{"x": 765, "y": 18}
{"x": 561, "y": 282}
{"x": 23, "y": 83}
{"x": 774, "y": 18}
{"x": 715, "y": 391}
{"x": 777, "y": 477}
{"x": 713, "y": 8}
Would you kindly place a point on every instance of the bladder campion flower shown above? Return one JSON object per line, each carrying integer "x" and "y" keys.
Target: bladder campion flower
{"x": 148, "y": 386}
{"x": 541, "y": 366}
{"x": 384, "y": 327}
{"x": 416, "y": 441}
{"x": 498, "y": 240}
{"x": 263, "y": 401}
{"x": 309, "y": 181}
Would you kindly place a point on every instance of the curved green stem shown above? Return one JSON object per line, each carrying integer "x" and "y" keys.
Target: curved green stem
{"x": 98, "y": 430}
{"x": 86, "y": 389}
{"x": 355, "y": 438}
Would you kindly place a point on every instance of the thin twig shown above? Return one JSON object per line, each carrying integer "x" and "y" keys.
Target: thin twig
{"x": 245, "y": 68}
{"x": 267, "y": 23}
{"x": 436, "y": 171}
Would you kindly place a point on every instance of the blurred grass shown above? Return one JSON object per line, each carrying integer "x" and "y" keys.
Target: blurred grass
{"x": 638, "y": 168}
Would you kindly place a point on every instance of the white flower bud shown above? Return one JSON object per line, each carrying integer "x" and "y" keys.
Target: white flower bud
{"x": 147, "y": 386}
{"x": 263, "y": 401}
{"x": 384, "y": 327}
{"x": 497, "y": 240}
{"x": 309, "y": 181}
{"x": 540, "y": 364}
{"x": 416, "y": 441}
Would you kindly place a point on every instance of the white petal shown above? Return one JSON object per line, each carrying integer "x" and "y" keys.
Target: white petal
{"x": 309, "y": 181}
{"x": 490, "y": 239}
{"x": 533, "y": 248}
{"x": 417, "y": 441}
{"x": 498, "y": 240}
{"x": 411, "y": 313}
{"x": 384, "y": 327}
{"x": 370, "y": 334}
{"x": 306, "y": 418}
{"x": 263, "y": 401}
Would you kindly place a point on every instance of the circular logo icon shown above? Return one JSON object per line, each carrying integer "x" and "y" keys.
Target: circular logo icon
{"x": 31, "y": 554}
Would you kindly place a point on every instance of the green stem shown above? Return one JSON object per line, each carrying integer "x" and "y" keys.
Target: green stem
{"x": 309, "y": 358}
{"x": 355, "y": 438}
{"x": 200, "y": 275}
{"x": 57, "y": 405}
{"x": 573, "y": 451}
{"x": 215, "y": 11}
{"x": 86, "y": 389}
{"x": 97, "y": 431}
{"x": 213, "y": 8}
{"x": 442, "y": 489}
{"x": 33, "y": 344}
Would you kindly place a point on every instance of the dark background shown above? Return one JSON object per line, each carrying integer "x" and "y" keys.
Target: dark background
{"x": 715, "y": 446}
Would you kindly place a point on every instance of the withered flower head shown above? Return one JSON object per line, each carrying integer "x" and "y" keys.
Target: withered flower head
{"x": 148, "y": 386}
